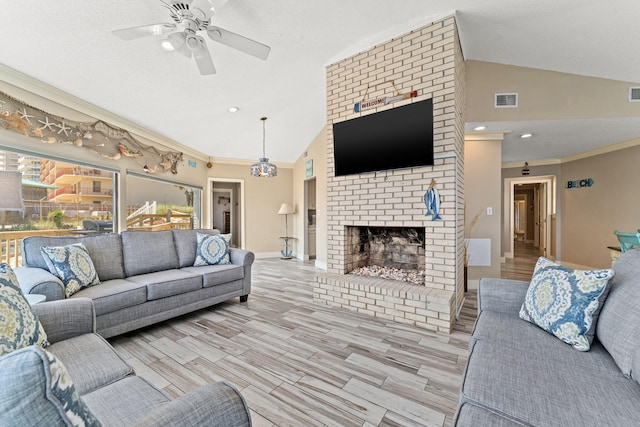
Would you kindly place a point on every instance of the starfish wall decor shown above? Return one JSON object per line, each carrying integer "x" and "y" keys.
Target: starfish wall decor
{"x": 102, "y": 138}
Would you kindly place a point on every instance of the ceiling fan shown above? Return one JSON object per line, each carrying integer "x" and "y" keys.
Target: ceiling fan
{"x": 183, "y": 37}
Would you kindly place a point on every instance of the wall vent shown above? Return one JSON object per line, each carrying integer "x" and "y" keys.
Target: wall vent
{"x": 506, "y": 100}
{"x": 634, "y": 94}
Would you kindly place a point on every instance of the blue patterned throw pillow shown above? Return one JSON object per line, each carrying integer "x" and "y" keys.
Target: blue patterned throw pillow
{"x": 19, "y": 327}
{"x": 212, "y": 249}
{"x": 38, "y": 390}
{"x": 71, "y": 264}
{"x": 566, "y": 302}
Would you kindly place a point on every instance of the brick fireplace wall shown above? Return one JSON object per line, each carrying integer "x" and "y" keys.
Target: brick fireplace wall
{"x": 429, "y": 61}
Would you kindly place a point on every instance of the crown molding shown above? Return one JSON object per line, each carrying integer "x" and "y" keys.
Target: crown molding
{"x": 485, "y": 135}
{"x": 44, "y": 90}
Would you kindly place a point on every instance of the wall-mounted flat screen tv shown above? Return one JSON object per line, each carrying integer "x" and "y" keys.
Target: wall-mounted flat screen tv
{"x": 400, "y": 137}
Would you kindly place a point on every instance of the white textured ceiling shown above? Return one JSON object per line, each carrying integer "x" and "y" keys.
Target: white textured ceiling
{"x": 69, "y": 45}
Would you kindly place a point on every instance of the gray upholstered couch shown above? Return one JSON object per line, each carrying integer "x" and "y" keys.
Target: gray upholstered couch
{"x": 518, "y": 374}
{"x": 146, "y": 277}
{"x": 109, "y": 386}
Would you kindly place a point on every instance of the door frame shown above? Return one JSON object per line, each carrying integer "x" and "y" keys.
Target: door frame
{"x": 549, "y": 183}
{"x": 209, "y": 205}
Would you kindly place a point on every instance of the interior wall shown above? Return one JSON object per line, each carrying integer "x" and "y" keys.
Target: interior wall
{"x": 262, "y": 199}
{"x": 316, "y": 151}
{"x": 591, "y": 214}
{"x": 543, "y": 94}
{"x": 482, "y": 190}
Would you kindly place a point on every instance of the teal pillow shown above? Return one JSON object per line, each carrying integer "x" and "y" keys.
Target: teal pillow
{"x": 566, "y": 302}
{"x": 37, "y": 390}
{"x": 19, "y": 327}
{"x": 212, "y": 249}
{"x": 73, "y": 265}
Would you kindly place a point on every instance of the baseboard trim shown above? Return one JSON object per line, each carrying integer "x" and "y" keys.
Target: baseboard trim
{"x": 261, "y": 255}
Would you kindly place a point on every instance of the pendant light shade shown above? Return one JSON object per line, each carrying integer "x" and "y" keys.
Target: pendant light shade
{"x": 263, "y": 167}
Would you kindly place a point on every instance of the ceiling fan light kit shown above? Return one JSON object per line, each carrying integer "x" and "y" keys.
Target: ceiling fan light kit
{"x": 183, "y": 38}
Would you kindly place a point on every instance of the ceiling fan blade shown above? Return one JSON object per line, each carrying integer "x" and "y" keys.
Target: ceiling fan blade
{"x": 203, "y": 59}
{"x": 236, "y": 41}
{"x": 178, "y": 41}
{"x": 144, "y": 31}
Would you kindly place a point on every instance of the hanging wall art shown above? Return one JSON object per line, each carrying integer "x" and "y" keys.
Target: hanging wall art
{"x": 105, "y": 140}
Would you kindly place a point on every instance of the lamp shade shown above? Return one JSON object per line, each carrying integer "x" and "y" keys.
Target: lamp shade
{"x": 285, "y": 209}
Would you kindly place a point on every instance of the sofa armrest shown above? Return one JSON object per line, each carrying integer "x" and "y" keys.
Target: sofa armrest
{"x": 216, "y": 404}
{"x": 66, "y": 318}
{"x": 241, "y": 256}
{"x": 244, "y": 258}
{"x": 501, "y": 295}
{"x": 35, "y": 280}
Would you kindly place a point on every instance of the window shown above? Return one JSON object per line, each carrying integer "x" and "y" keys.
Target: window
{"x": 59, "y": 197}
{"x": 154, "y": 204}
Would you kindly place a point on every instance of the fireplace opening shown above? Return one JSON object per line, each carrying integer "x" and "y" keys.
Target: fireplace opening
{"x": 395, "y": 253}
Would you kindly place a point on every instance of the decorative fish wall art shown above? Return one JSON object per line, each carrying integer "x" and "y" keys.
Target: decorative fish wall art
{"x": 432, "y": 201}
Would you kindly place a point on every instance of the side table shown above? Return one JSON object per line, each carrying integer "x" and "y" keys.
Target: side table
{"x": 34, "y": 299}
{"x": 286, "y": 253}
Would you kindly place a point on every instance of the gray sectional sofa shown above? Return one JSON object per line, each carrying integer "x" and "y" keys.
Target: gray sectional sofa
{"x": 518, "y": 374}
{"x": 108, "y": 385}
{"x": 146, "y": 277}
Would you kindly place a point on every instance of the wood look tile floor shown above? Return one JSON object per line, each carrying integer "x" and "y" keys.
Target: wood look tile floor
{"x": 299, "y": 363}
{"x": 521, "y": 266}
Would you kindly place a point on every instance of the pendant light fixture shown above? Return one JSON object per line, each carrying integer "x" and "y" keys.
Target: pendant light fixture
{"x": 263, "y": 167}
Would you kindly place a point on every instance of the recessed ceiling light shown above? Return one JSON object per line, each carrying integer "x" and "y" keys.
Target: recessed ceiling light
{"x": 167, "y": 46}
{"x": 479, "y": 128}
{"x": 526, "y": 135}
{"x": 233, "y": 109}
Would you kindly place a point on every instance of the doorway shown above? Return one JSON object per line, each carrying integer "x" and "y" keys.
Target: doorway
{"x": 310, "y": 218}
{"x": 530, "y": 205}
{"x": 226, "y": 208}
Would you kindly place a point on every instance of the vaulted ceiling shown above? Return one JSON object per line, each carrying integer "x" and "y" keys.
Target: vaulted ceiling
{"x": 70, "y": 45}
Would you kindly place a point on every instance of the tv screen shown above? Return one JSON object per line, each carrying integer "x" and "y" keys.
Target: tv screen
{"x": 397, "y": 138}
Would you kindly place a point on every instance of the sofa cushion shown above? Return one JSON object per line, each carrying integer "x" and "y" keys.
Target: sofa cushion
{"x": 510, "y": 331}
{"x": 473, "y": 416}
{"x": 566, "y": 302}
{"x": 546, "y": 392}
{"x": 73, "y": 265}
{"x": 147, "y": 252}
{"x": 114, "y": 295}
{"x": 618, "y": 327}
{"x": 212, "y": 249}
{"x": 186, "y": 244}
{"x": 105, "y": 251}
{"x": 37, "y": 390}
{"x": 167, "y": 283}
{"x": 19, "y": 327}
{"x": 91, "y": 361}
{"x": 125, "y": 401}
{"x": 213, "y": 275}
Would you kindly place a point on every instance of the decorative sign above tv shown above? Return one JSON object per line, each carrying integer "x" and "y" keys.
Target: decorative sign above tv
{"x": 401, "y": 137}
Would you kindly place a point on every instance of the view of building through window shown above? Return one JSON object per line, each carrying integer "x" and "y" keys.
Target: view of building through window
{"x": 63, "y": 198}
